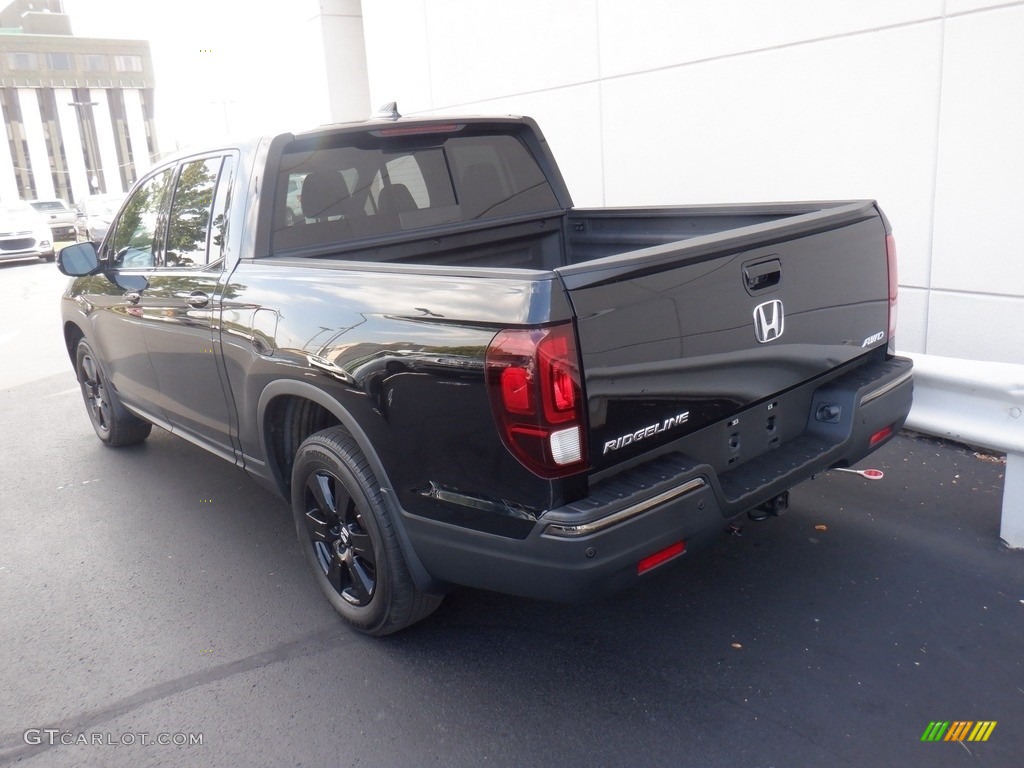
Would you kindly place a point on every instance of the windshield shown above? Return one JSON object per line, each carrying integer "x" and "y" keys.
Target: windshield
{"x": 14, "y": 210}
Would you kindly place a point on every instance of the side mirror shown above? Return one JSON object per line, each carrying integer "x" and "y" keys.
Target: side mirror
{"x": 78, "y": 260}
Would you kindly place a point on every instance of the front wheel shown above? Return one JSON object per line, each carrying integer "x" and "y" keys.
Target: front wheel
{"x": 112, "y": 422}
{"x": 348, "y": 538}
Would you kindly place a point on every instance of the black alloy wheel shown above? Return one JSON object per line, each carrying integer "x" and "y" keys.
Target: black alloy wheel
{"x": 111, "y": 421}
{"x": 342, "y": 546}
{"x": 94, "y": 391}
{"x": 348, "y": 537}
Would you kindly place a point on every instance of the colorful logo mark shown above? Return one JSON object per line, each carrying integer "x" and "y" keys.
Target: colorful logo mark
{"x": 959, "y": 730}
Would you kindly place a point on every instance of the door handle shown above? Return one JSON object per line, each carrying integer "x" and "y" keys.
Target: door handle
{"x": 197, "y": 299}
{"x": 133, "y": 297}
{"x": 764, "y": 275}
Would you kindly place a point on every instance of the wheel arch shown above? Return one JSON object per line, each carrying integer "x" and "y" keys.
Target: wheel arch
{"x": 288, "y": 412}
{"x": 73, "y": 334}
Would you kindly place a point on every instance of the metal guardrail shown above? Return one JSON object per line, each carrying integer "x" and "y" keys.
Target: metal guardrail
{"x": 981, "y": 404}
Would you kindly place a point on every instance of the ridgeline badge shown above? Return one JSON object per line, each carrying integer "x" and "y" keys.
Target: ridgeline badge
{"x": 642, "y": 434}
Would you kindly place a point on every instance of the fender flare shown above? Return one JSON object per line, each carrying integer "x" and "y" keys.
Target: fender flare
{"x": 290, "y": 387}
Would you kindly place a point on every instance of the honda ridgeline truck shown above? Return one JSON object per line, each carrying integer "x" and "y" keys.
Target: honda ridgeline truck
{"x": 458, "y": 378}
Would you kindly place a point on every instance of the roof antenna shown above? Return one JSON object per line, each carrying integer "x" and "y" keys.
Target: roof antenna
{"x": 388, "y": 112}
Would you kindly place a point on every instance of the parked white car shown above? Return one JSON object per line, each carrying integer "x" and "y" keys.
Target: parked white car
{"x": 24, "y": 234}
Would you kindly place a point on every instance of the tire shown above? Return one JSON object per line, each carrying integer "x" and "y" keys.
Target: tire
{"x": 49, "y": 257}
{"x": 112, "y": 422}
{"x": 348, "y": 537}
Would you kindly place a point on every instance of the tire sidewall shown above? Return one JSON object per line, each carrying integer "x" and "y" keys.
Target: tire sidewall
{"x": 317, "y": 454}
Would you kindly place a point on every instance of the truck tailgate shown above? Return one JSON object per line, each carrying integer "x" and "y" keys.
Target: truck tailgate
{"x": 678, "y": 336}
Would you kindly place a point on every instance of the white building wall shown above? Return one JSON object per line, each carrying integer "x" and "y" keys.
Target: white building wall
{"x": 918, "y": 104}
{"x": 36, "y": 140}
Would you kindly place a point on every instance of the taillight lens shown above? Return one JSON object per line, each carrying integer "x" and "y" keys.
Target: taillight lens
{"x": 533, "y": 378}
{"x": 894, "y": 289}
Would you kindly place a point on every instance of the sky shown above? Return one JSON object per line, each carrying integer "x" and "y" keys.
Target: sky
{"x": 222, "y": 67}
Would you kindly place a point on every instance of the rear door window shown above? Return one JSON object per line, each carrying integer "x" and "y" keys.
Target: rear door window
{"x": 188, "y": 229}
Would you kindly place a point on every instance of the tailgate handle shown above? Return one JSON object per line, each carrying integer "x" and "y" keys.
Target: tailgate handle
{"x": 764, "y": 275}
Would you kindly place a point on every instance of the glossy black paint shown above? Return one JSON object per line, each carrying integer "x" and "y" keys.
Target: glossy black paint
{"x": 403, "y": 355}
{"x": 674, "y": 334}
{"x": 248, "y": 354}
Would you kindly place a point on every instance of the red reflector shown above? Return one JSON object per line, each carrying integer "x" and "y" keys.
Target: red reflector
{"x": 879, "y": 436}
{"x": 653, "y": 561}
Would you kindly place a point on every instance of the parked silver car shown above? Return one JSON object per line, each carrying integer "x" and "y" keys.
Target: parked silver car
{"x": 24, "y": 234}
{"x": 97, "y": 213}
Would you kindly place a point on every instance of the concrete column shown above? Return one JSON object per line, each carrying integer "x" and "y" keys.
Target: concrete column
{"x": 71, "y": 138}
{"x": 136, "y": 130}
{"x": 8, "y": 183}
{"x": 348, "y": 85}
{"x": 105, "y": 138}
{"x": 39, "y": 157}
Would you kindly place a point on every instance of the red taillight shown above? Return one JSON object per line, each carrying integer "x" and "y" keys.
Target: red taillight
{"x": 894, "y": 289}
{"x": 516, "y": 393}
{"x": 416, "y": 130}
{"x": 533, "y": 377}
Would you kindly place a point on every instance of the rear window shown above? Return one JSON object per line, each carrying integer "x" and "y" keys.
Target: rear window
{"x": 49, "y": 205}
{"x": 386, "y": 185}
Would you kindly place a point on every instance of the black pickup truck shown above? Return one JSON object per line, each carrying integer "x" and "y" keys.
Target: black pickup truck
{"x": 458, "y": 378}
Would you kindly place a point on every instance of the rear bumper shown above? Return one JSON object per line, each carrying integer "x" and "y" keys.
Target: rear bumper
{"x": 595, "y": 545}
{"x": 62, "y": 231}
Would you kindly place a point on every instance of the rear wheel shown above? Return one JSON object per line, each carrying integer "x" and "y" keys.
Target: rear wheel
{"x": 113, "y": 423}
{"x": 349, "y": 539}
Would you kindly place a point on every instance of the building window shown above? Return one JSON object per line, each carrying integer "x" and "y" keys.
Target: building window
{"x": 127, "y": 63}
{"x": 64, "y": 62}
{"x": 17, "y": 143}
{"x": 95, "y": 62}
{"x": 22, "y": 61}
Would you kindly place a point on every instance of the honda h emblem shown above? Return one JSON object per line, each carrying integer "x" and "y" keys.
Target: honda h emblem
{"x": 768, "y": 321}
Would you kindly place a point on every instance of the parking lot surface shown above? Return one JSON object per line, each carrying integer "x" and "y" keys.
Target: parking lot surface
{"x": 155, "y": 593}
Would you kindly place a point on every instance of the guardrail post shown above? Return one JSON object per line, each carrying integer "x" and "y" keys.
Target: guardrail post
{"x": 1012, "y": 529}
{"x": 980, "y": 404}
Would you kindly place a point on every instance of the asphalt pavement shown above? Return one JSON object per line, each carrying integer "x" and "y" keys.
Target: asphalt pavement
{"x": 154, "y": 593}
